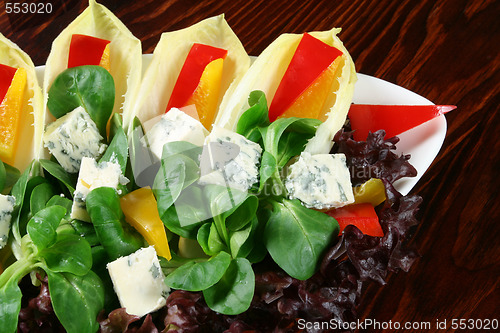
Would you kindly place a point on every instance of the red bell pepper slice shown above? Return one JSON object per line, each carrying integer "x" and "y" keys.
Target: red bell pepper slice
{"x": 197, "y": 59}
{"x": 85, "y": 50}
{"x": 394, "y": 119}
{"x": 362, "y": 215}
{"x": 6, "y": 75}
{"x": 311, "y": 58}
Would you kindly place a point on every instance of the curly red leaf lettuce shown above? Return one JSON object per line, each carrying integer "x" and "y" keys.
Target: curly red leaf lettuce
{"x": 37, "y": 314}
{"x": 373, "y": 158}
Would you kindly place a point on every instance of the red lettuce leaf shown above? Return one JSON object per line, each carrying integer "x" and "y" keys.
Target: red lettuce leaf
{"x": 37, "y": 314}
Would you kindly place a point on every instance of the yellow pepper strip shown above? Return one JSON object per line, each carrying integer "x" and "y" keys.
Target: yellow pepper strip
{"x": 141, "y": 212}
{"x": 105, "y": 59}
{"x": 10, "y": 114}
{"x": 206, "y": 94}
{"x": 372, "y": 191}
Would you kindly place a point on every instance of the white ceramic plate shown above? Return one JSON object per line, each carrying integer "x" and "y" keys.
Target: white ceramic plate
{"x": 422, "y": 142}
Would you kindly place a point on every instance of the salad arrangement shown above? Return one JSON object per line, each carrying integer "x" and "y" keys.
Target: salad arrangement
{"x": 209, "y": 194}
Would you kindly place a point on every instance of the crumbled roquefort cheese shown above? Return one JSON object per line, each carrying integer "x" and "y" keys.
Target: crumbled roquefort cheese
{"x": 320, "y": 181}
{"x": 72, "y": 137}
{"x": 229, "y": 159}
{"x": 139, "y": 282}
{"x": 93, "y": 175}
{"x": 7, "y": 203}
{"x": 175, "y": 125}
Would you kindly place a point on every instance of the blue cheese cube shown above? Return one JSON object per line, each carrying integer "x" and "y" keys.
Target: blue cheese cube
{"x": 320, "y": 181}
{"x": 229, "y": 159}
{"x": 139, "y": 282}
{"x": 7, "y": 203}
{"x": 175, "y": 125}
{"x": 91, "y": 176}
{"x": 72, "y": 137}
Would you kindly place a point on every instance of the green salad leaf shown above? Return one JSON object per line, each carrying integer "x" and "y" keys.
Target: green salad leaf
{"x": 70, "y": 253}
{"x": 58, "y": 200}
{"x": 234, "y": 291}
{"x": 8, "y": 177}
{"x": 91, "y": 87}
{"x": 3, "y": 176}
{"x": 287, "y": 137}
{"x": 117, "y": 151}
{"x": 179, "y": 169}
{"x": 40, "y": 195}
{"x": 19, "y": 192}
{"x": 297, "y": 237}
{"x": 76, "y": 300}
{"x": 118, "y": 237}
{"x": 254, "y": 118}
{"x": 51, "y": 244}
{"x": 209, "y": 239}
{"x": 42, "y": 227}
{"x": 197, "y": 276}
{"x": 11, "y": 295}
{"x": 60, "y": 174}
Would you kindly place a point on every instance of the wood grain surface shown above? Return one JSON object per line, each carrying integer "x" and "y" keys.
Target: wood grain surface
{"x": 447, "y": 51}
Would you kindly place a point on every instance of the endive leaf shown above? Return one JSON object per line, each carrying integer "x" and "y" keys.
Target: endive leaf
{"x": 125, "y": 54}
{"x": 30, "y": 124}
{"x": 170, "y": 54}
{"x": 265, "y": 74}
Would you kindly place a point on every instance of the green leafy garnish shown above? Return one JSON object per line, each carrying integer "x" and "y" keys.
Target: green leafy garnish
{"x": 66, "y": 258}
{"x": 91, "y": 87}
{"x": 297, "y": 237}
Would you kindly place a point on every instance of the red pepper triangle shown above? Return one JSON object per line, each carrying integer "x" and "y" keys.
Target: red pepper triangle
{"x": 362, "y": 215}
{"x": 394, "y": 119}
{"x": 86, "y": 50}
{"x": 6, "y": 75}
{"x": 311, "y": 58}
{"x": 199, "y": 56}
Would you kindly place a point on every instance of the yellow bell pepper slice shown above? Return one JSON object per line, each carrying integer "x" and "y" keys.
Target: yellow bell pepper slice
{"x": 206, "y": 94}
{"x": 10, "y": 114}
{"x": 141, "y": 212}
{"x": 372, "y": 191}
{"x": 105, "y": 59}
{"x": 310, "y": 103}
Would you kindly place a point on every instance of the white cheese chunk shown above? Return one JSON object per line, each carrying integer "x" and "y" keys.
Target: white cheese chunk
{"x": 139, "y": 282}
{"x": 229, "y": 159}
{"x": 175, "y": 125}
{"x": 7, "y": 203}
{"x": 91, "y": 176}
{"x": 320, "y": 181}
{"x": 72, "y": 137}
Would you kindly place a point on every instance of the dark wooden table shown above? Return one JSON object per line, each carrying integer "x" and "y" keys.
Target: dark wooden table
{"x": 445, "y": 50}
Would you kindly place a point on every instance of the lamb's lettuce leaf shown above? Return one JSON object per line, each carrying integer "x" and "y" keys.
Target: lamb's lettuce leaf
{"x": 297, "y": 237}
{"x": 234, "y": 291}
{"x": 91, "y": 87}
